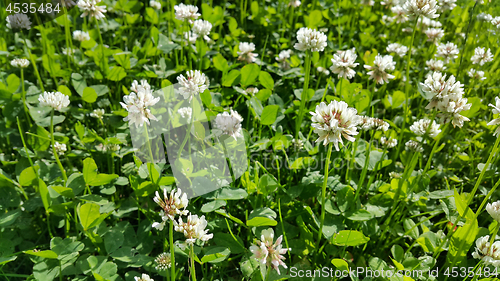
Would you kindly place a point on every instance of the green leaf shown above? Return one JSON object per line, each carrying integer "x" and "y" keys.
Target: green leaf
{"x": 249, "y": 74}
{"x": 78, "y": 83}
{"x": 151, "y": 15}
{"x": 231, "y": 79}
{"x": 461, "y": 204}
{"x": 220, "y": 63}
{"x": 398, "y": 98}
{"x": 117, "y": 73}
{"x": 350, "y": 238}
{"x": 269, "y": 114}
{"x": 64, "y": 90}
{"x": 261, "y": 221}
{"x": 64, "y": 191}
{"x": 113, "y": 240}
{"x": 266, "y": 80}
{"x": 215, "y": 254}
{"x": 44, "y": 193}
{"x": 340, "y": 264}
{"x": 268, "y": 184}
{"x": 89, "y": 170}
{"x": 9, "y": 218}
{"x": 88, "y": 214}
{"x": 262, "y": 217}
{"x": 89, "y": 95}
{"x": 27, "y": 177}
{"x": 302, "y": 162}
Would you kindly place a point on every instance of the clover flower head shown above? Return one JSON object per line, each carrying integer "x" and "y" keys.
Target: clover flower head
{"x": 381, "y": 65}
{"x": 425, "y": 8}
{"x": 388, "y": 142}
{"x": 269, "y": 252}
{"x": 172, "y": 204}
{"x": 193, "y": 84}
{"x": 344, "y": 62}
{"x": 80, "y": 36}
{"x": 92, "y": 9}
{"x": 229, "y": 123}
{"x": 18, "y": 21}
{"x": 137, "y": 103}
{"x": 481, "y": 56}
{"x": 56, "y": 100}
{"x": 421, "y": 126}
{"x": 310, "y": 39}
{"x": 193, "y": 229}
{"x": 20, "y": 63}
{"x": 245, "y": 52}
{"x": 489, "y": 254}
{"x": 495, "y": 122}
{"x": 189, "y": 12}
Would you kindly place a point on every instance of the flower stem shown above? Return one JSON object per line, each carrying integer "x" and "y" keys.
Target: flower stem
{"x": 33, "y": 62}
{"x": 193, "y": 269}
{"x": 323, "y": 194}
{"x": 23, "y": 93}
{"x": 172, "y": 251}
{"x": 103, "y": 61}
{"x": 54, "y": 151}
{"x": 303, "y": 96}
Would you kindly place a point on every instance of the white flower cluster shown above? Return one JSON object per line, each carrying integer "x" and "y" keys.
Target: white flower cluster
{"x": 185, "y": 112}
{"x": 414, "y": 146}
{"x": 18, "y": 21}
{"x": 245, "y": 52}
{"x": 137, "y": 103}
{"x": 193, "y": 229}
{"x": 20, "y": 63}
{"x": 344, "y": 62}
{"x": 92, "y": 9}
{"x": 447, "y": 5}
{"x": 425, "y": 8}
{"x": 400, "y": 14}
{"x": 193, "y": 84}
{"x": 294, "y": 3}
{"x": 489, "y": 254}
{"x": 189, "y": 12}
{"x": 447, "y": 51}
{"x": 97, "y": 113}
{"x": 397, "y": 48}
{"x": 172, "y": 205}
{"x": 369, "y": 123}
{"x": 155, "y": 5}
{"x": 495, "y": 122}
{"x": 334, "y": 121}
{"x": 56, "y": 100}
{"x": 447, "y": 97}
{"x": 476, "y": 74}
{"x": 481, "y": 56}
{"x": 434, "y": 34}
{"x": 163, "y": 261}
{"x": 282, "y": 58}
{"x": 268, "y": 252}
{"x": 144, "y": 277}
{"x": 322, "y": 70}
{"x": 60, "y": 148}
{"x": 310, "y": 39}
{"x": 484, "y": 17}
{"x": 422, "y": 126}
{"x": 435, "y": 65}
{"x": 381, "y": 65}
{"x": 389, "y": 143}
{"x": 81, "y": 36}
{"x": 229, "y": 124}
{"x": 496, "y": 21}
{"x": 202, "y": 28}
{"x": 494, "y": 208}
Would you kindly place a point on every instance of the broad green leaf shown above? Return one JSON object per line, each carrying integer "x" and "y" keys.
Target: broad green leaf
{"x": 302, "y": 162}
{"x": 27, "y": 177}
{"x": 89, "y": 95}
{"x": 215, "y": 254}
{"x": 261, "y": 221}
{"x": 249, "y": 74}
{"x": 89, "y": 214}
{"x": 64, "y": 191}
{"x": 64, "y": 90}
{"x": 117, "y": 73}
{"x": 231, "y": 79}
{"x": 89, "y": 170}
{"x": 269, "y": 114}
{"x": 9, "y": 218}
{"x": 349, "y": 238}
{"x": 220, "y": 63}
{"x": 44, "y": 193}
{"x": 266, "y": 80}
{"x": 151, "y": 15}
{"x": 461, "y": 242}
{"x": 78, "y": 83}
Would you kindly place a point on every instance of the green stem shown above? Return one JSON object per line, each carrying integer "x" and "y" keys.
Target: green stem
{"x": 23, "y": 93}
{"x": 54, "y": 151}
{"x": 193, "y": 269}
{"x": 33, "y": 62}
{"x": 103, "y": 61}
{"x": 172, "y": 251}
{"x": 323, "y": 194}
{"x": 303, "y": 96}
{"x": 29, "y": 157}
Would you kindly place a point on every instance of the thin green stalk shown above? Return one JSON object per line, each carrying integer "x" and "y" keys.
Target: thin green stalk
{"x": 193, "y": 269}
{"x": 303, "y": 96}
{"x": 67, "y": 34}
{"x": 172, "y": 251}
{"x": 54, "y": 151}
{"x": 23, "y": 93}
{"x": 29, "y": 157}
{"x": 323, "y": 194}
{"x": 466, "y": 39}
{"x": 103, "y": 62}
{"x": 33, "y": 62}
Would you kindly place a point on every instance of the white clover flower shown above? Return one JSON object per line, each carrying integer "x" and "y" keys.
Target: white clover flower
{"x": 381, "y": 64}
{"x": 185, "y": 112}
{"x": 144, "y": 277}
{"x": 155, "y": 5}
{"x": 202, "y": 28}
{"x": 229, "y": 123}
{"x": 484, "y": 17}
{"x": 447, "y": 97}
{"x": 267, "y": 252}
{"x": 67, "y": 3}
{"x": 137, "y": 103}
{"x": 481, "y": 56}
{"x": 494, "y": 210}
{"x": 310, "y": 39}
{"x": 495, "y": 110}
{"x": 56, "y": 100}
{"x": 344, "y": 62}
{"x": 298, "y": 144}
{"x": 252, "y": 91}
{"x": 489, "y": 254}
{"x": 163, "y": 261}
{"x": 425, "y": 8}
{"x": 282, "y": 58}
{"x": 424, "y": 22}
{"x": 334, "y": 121}
{"x": 476, "y": 74}
{"x": 20, "y": 63}
{"x": 189, "y": 12}
{"x": 97, "y": 113}
{"x": 414, "y": 146}
{"x": 81, "y": 36}
{"x": 435, "y": 65}
{"x": 68, "y": 51}
{"x": 323, "y": 70}
{"x": 193, "y": 84}
{"x": 294, "y": 3}
{"x": 367, "y": 2}
{"x": 193, "y": 229}
{"x": 407, "y": 29}
{"x": 447, "y": 51}
{"x": 400, "y": 16}
{"x": 389, "y": 143}
{"x": 386, "y": 20}
{"x": 397, "y": 48}
{"x": 92, "y": 9}
{"x": 245, "y": 52}
{"x": 18, "y": 21}
{"x": 421, "y": 126}
{"x": 60, "y": 148}
{"x": 172, "y": 205}
{"x": 394, "y": 175}
{"x": 390, "y": 2}
{"x": 447, "y": 5}
{"x": 369, "y": 123}
{"x": 434, "y": 34}
{"x": 496, "y": 21}
{"x": 191, "y": 37}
